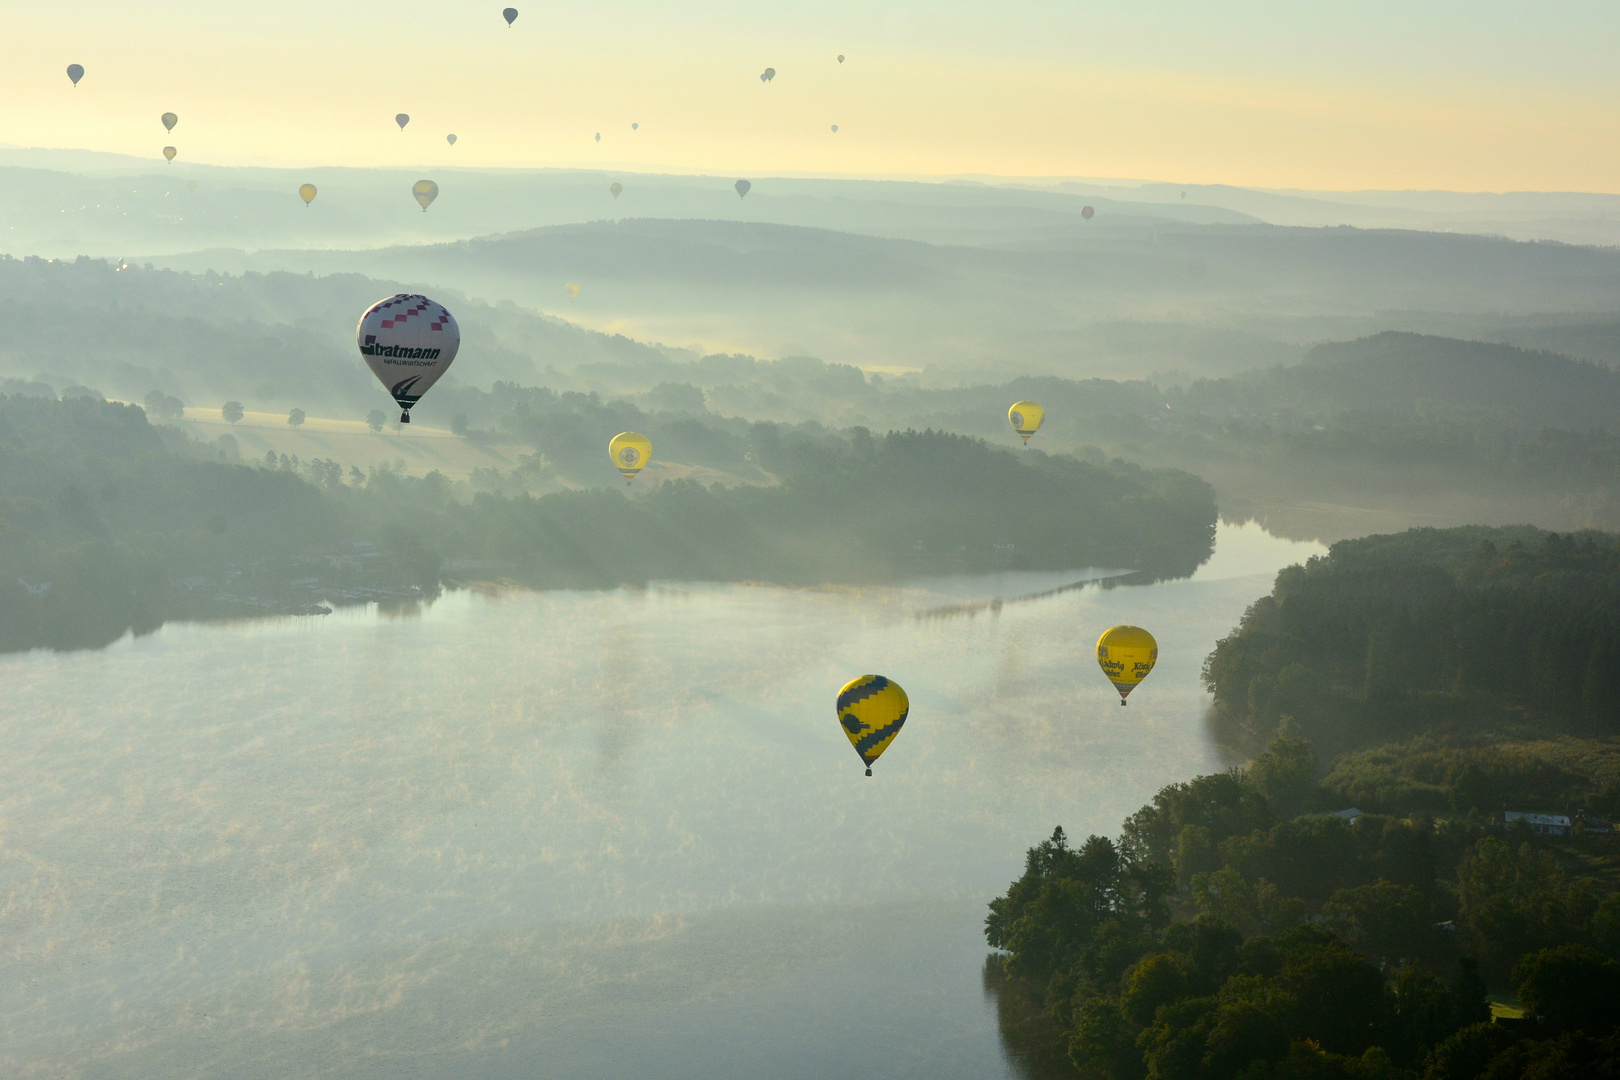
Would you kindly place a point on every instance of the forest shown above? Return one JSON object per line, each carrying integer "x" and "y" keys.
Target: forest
{"x": 1463, "y": 630}
{"x": 130, "y": 523}
{"x": 1366, "y": 898}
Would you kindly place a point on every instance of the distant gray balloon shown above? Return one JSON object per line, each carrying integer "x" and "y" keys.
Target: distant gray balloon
{"x": 1086, "y": 212}
{"x": 510, "y": 15}
{"x": 634, "y": 127}
{"x": 169, "y": 120}
{"x": 451, "y": 139}
{"x": 742, "y": 187}
{"x": 770, "y": 73}
{"x": 840, "y": 58}
{"x": 75, "y": 72}
{"x": 835, "y": 129}
{"x": 402, "y": 119}
{"x": 598, "y": 136}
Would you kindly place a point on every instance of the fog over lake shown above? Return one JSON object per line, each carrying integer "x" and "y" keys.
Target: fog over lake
{"x": 580, "y": 834}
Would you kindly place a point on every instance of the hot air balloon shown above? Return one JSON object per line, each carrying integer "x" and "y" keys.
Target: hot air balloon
{"x": 1126, "y": 654}
{"x": 169, "y": 120}
{"x": 742, "y": 187}
{"x": 451, "y": 139}
{"x": 307, "y": 193}
{"x": 509, "y": 14}
{"x": 840, "y": 58}
{"x": 425, "y": 191}
{"x": 598, "y": 136}
{"x": 872, "y": 710}
{"x": 630, "y": 452}
{"x": 634, "y": 127}
{"x": 75, "y": 72}
{"x": 402, "y": 119}
{"x": 616, "y": 188}
{"x": 408, "y": 342}
{"x": 835, "y": 129}
{"x": 1086, "y": 212}
{"x": 768, "y": 75}
{"x": 571, "y": 289}
{"x": 1026, "y": 417}
{"x": 169, "y": 152}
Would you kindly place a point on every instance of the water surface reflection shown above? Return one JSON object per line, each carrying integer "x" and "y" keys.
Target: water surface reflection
{"x": 570, "y": 834}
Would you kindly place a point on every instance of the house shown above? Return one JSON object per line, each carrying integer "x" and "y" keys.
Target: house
{"x": 1541, "y": 824}
{"x": 1351, "y": 815}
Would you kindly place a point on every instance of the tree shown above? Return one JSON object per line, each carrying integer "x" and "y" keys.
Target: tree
{"x": 458, "y": 424}
{"x": 375, "y": 419}
{"x": 1573, "y": 986}
{"x": 1285, "y": 775}
{"x": 163, "y": 407}
{"x": 296, "y": 418}
{"x": 232, "y": 412}
{"x": 1391, "y": 921}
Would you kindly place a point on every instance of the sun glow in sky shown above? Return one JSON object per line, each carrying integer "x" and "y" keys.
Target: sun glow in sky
{"x": 1471, "y": 96}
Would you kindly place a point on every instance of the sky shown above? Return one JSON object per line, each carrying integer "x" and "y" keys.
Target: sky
{"x": 1477, "y": 96}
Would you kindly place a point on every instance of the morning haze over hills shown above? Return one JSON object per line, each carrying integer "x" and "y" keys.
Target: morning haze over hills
{"x": 825, "y": 382}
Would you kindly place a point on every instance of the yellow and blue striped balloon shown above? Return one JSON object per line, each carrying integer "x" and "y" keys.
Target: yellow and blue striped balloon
{"x": 872, "y": 710}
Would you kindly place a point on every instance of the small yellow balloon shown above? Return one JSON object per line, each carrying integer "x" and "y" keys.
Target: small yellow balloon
{"x": 571, "y": 289}
{"x": 872, "y": 710}
{"x": 1126, "y": 654}
{"x": 425, "y": 191}
{"x": 1026, "y": 417}
{"x": 169, "y": 120}
{"x": 307, "y": 193}
{"x": 616, "y": 188}
{"x": 169, "y": 152}
{"x": 630, "y": 451}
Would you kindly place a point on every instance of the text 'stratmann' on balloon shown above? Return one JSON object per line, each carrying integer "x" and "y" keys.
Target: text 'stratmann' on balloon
{"x": 408, "y": 341}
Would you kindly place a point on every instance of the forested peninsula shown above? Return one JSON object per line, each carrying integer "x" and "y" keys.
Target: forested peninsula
{"x": 109, "y": 523}
{"x": 1418, "y": 877}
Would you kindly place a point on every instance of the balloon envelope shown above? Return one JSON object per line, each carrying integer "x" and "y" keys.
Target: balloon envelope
{"x": 742, "y": 187}
{"x": 840, "y": 58}
{"x": 402, "y": 119}
{"x": 598, "y": 136}
{"x": 872, "y": 710}
{"x": 1026, "y": 417}
{"x": 615, "y": 188}
{"x": 510, "y": 15}
{"x": 634, "y": 127}
{"x": 571, "y": 289}
{"x": 425, "y": 191}
{"x": 630, "y": 451}
{"x": 169, "y": 152}
{"x": 408, "y": 341}
{"x": 75, "y": 72}
{"x": 1086, "y": 212}
{"x": 307, "y": 193}
{"x": 451, "y": 139}
{"x": 835, "y": 129}
{"x": 1126, "y": 654}
{"x": 169, "y": 120}
{"x": 770, "y": 73}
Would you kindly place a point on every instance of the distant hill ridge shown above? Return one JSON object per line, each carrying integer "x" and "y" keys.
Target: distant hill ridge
{"x": 1407, "y": 373}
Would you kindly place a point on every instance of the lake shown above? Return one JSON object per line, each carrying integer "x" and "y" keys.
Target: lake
{"x": 577, "y": 834}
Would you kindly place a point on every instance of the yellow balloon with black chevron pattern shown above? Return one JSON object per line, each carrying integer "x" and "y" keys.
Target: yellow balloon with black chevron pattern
{"x": 1026, "y": 417}
{"x": 630, "y": 451}
{"x": 872, "y": 710}
{"x": 1126, "y": 654}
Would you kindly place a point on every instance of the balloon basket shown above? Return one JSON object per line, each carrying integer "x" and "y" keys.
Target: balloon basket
{"x": 404, "y": 417}
{"x": 1123, "y": 702}
{"x": 868, "y": 772}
